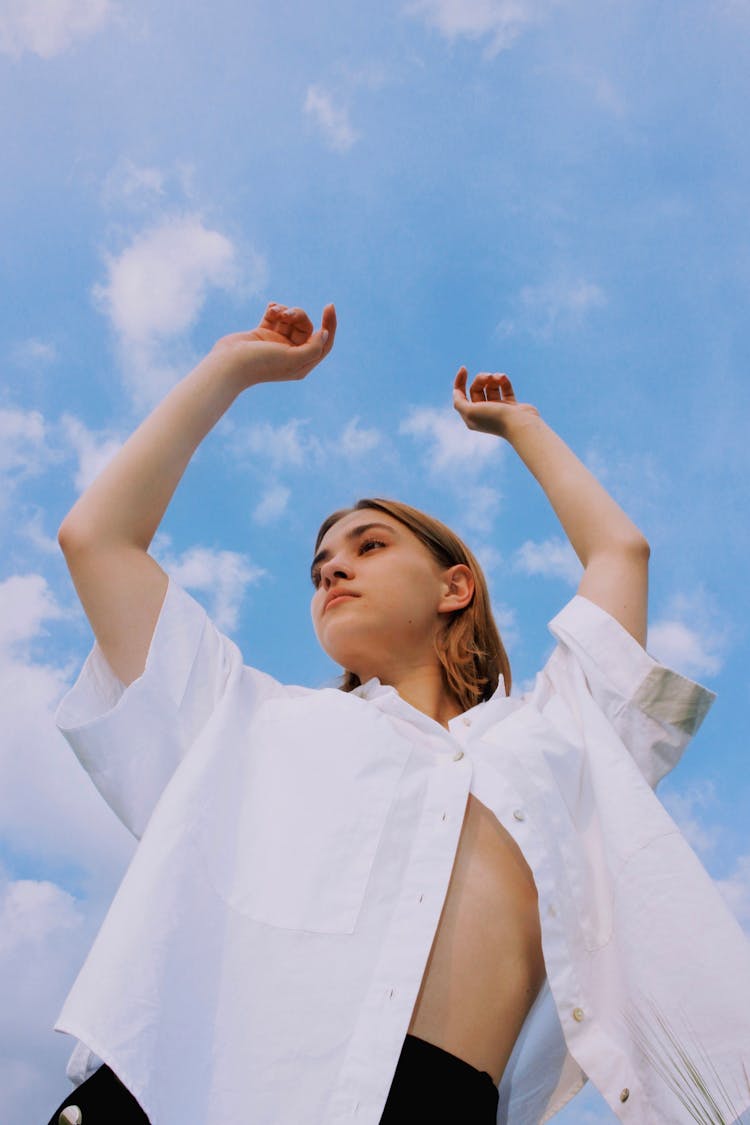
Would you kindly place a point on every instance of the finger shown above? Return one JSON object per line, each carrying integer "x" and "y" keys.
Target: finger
{"x": 274, "y": 310}
{"x": 507, "y": 388}
{"x": 299, "y": 320}
{"x": 459, "y": 383}
{"x": 329, "y": 324}
{"x": 479, "y": 386}
{"x": 492, "y": 388}
{"x": 308, "y": 355}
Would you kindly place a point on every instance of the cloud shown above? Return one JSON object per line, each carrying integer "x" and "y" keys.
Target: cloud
{"x": 690, "y": 637}
{"x": 736, "y": 891}
{"x": 22, "y": 442}
{"x": 33, "y": 531}
{"x": 48, "y": 808}
{"x": 501, "y": 21}
{"x": 457, "y": 458}
{"x": 272, "y": 504}
{"x": 43, "y": 938}
{"x": 93, "y": 450}
{"x": 156, "y": 288}
{"x": 34, "y": 353}
{"x": 222, "y": 575}
{"x": 26, "y": 601}
{"x": 557, "y": 305}
{"x": 553, "y": 558}
{"x": 450, "y": 447}
{"x": 48, "y": 27}
{"x": 356, "y": 440}
{"x": 134, "y": 185}
{"x": 331, "y": 119}
{"x": 685, "y": 806}
{"x": 480, "y": 505}
{"x": 279, "y": 447}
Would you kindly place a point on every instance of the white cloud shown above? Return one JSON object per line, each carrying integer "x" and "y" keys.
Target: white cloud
{"x": 686, "y": 807}
{"x": 48, "y": 27}
{"x": 553, "y": 558}
{"x": 34, "y": 353}
{"x": 156, "y": 288}
{"x": 22, "y": 442}
{"x": 48, "y": 808}
{"x": 26, "y": 601}
{"x": 560, "y": 304}
{"x": 222, "y": 575}
{"x": 331, "y": 119}
{"x": 357, "y": 440}
{"x": 480, "y": 505}
{"x": 736, "y": 891}
{"x": 690, "y": 636}
{"x": 134, "y": 185}
{"x": 93, "y": 450}
{"x": 272, "y": 504}
{"x": 501, "y": 21}
{"x": 451, "y": 448}
{"x": 43, "y": 937}
{"x": 33, "y": 530}
{"x": 280, "y": 447}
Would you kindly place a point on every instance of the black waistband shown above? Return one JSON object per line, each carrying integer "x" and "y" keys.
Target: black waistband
{"x": 442, "y": 1086}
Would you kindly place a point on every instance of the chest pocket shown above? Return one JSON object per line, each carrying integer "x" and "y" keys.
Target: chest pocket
{"x": 288, "y": 832}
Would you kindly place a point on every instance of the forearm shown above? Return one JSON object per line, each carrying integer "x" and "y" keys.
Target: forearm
{"x": 127, "y": 501}
{"x": 593, "y": 522}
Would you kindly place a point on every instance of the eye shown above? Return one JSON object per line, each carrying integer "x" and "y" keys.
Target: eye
{"x": 315, "y": 576}
{"x": 368, "y": 544}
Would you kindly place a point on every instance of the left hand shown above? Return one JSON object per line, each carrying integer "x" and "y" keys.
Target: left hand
{"x": 491, "y": 406}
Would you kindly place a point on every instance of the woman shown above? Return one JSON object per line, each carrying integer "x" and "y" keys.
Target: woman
{"x": 414, "y": 899}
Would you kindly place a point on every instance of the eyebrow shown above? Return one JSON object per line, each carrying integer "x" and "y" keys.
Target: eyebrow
{"x": 350, "y": 535}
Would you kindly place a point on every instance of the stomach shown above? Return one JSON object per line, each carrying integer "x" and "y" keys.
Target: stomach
{"x": 485, "y": 967}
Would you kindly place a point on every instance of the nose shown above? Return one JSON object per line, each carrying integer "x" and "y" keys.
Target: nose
{"x": 333, "y": 569}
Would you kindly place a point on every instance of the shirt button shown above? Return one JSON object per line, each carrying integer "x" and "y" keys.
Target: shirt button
{"x": 552, "y": 910}
{"x": 71, "y": 1115}
{"x": 578, "y": 1014}
{"x": 624, "y": 1094}
{"x": 466, "y": 721}
{"x": 458, "y": 756}
{"x": 519, "y": 814}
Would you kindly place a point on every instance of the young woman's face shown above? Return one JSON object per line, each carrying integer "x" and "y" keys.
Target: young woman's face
{"x": 378, "y": 593}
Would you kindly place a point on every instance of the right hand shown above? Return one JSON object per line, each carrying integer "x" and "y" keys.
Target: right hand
{"x": 283, "y": 347}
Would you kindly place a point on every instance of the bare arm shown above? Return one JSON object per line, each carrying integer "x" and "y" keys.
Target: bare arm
{"x": 106, "y": 535}
{"x": 612, "y": 550}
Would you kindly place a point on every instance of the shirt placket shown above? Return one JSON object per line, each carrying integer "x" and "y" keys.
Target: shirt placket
{"x": 385, "y": 1015}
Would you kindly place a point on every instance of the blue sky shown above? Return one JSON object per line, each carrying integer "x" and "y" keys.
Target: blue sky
{"x": 553, "y": 189}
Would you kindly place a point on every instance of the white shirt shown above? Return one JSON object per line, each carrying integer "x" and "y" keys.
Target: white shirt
{"x": 262, "y": 957}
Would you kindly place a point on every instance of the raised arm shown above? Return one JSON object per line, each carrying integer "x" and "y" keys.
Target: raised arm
{"x": 612, "y": 550}
{"x": 106, "y": 534}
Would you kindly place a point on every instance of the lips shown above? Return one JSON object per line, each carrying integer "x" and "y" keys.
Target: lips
{"x": 336, "y": 596}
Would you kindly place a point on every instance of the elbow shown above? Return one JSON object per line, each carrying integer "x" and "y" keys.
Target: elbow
{"x": 70, "y": 536}
{"x": 638, "y": 547}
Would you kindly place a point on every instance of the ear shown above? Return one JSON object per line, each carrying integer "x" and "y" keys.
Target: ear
{"x": 458, "y": 588}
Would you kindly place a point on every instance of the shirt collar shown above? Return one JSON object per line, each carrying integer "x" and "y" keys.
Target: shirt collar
{"x": 385, "y": 697}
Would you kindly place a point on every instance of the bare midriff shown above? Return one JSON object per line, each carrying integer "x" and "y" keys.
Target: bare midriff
{"x": 485, "y": 967}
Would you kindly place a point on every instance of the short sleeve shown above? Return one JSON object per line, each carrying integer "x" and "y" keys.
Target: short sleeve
{"x": 655, "y": 711}
{"x": 131, "y": 739}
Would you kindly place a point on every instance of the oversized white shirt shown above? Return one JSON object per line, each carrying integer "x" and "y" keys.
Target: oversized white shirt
{"x": 263, "y": 954}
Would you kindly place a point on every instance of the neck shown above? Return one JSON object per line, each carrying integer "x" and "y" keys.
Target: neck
{"x": 424, "y": 688}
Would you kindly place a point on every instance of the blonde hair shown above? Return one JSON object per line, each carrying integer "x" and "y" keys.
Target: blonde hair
{"x": 468, "y": 647}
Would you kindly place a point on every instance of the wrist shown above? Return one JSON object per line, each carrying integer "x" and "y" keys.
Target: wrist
{"x": 522, "y": 424}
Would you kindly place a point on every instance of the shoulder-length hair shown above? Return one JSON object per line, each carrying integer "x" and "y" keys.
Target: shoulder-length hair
{"x": 468, "y": 646}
